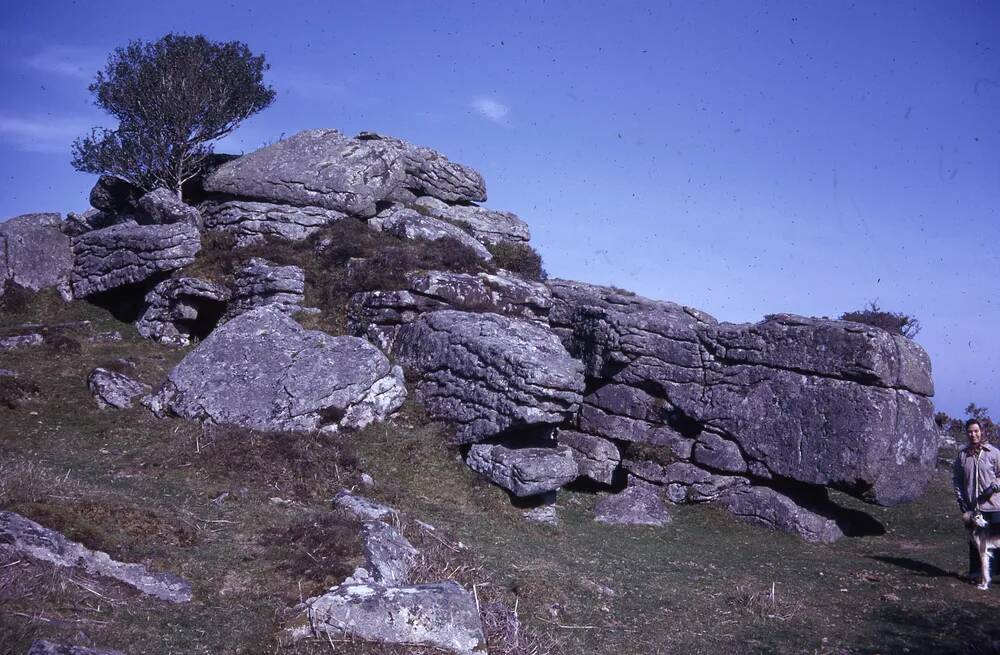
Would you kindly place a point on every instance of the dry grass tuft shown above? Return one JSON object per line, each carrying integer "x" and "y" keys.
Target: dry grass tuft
{"x": 764, "y": 604}
{"x": 14, "y": 391}
{"x": 321, "y": 548}
{"x": 26, "y": 481}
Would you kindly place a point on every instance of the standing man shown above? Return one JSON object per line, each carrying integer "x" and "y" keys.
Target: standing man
{"x": 976, "y": 477}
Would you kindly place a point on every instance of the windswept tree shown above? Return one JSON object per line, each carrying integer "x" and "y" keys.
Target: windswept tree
{"x": 173, "y": 98}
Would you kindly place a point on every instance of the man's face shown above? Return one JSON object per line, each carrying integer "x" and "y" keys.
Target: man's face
{"x": 974, "y": 434}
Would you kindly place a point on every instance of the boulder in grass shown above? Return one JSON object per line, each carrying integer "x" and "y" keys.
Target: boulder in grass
{"x": 263, "y": 371}
{"x": 442, "y": 616}
{"x": 112, "y": 389}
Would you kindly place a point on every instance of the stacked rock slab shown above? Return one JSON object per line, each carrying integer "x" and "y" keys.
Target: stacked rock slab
{"x": 379, "y": 315}
{"x": 489, "y": 374}
{"x": 524, "y": 471}
{"x": 180, "y": 308}
{"x": 487, "y": 225}
{"x": 262, "y": 370}
{"x": 129, "y": 253}
{"x": 253, "y": 222}
{"x": 812, "y": 401}
{"x": 260, "y": 283}
{"x": 410, "y": 224}
{"x": 35, "y": 254}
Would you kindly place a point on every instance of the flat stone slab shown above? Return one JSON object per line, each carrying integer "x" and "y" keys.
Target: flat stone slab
{"x": 113, "y": 389}
{"x": 253, "y": 222}
{"x": 772, "y": 509}
{"x": 638, "y": 504}
{"x": 441, "y": 615}
{"x": 23, "y": 537}
{"x": 524, "y": 471}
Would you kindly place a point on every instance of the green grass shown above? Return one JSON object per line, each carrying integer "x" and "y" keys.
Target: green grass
{"x": 144, "y": 488}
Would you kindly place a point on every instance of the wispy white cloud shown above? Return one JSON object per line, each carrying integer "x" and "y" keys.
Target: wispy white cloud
{"x": 42, "y": 134}
{"x": 64, "y": 61}
{"x": 491, "y": 109}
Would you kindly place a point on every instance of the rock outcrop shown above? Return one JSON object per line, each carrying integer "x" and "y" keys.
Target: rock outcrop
{"x": 596, "y": 458}
{"x": 25, "y": 538}
{"x": 262, "y": 370}
{"x": 163, "y": 207}
{"x": 182, "y": 308}
{"x": 129, "y": 253}
{"x": 35, "y": 254}
{"x": 812, "y": 401}
{"x": 490, "y": 374}
{"x": 252, "y": 222}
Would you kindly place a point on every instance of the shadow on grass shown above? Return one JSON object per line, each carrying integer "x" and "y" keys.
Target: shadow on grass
{"x": 916, "y": 566}
{"x": 963, "y": 628}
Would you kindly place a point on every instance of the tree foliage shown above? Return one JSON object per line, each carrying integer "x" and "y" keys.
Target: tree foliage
{"x": 894, "y": 322}
{"x": 172, "y": 98}
{"x": 956, "y": 427}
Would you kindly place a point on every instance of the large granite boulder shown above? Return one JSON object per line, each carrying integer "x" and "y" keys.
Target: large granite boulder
{"x": 181, "y": 309}
{"x": 489, "y": 374}
{"x": 34, "y": 253}
{"x": 259, "y": 282}
{"x": 441, "y": 616}
{"x": 22, "y": 537}
{"x": 489, "y": 226}
{"x": 409, "y": 224}
{"x": 815, "y": 401}
{"x": 524, "y": 471}
{"x": 253, "y": 222}
{"x": 263, "y": 371}
{"x": 318, "y": 168}
{"x": 129, "y": 253}
{"x": 115, "y": 196}
{"x": 428, "y": 172}
{"x": 379, "y": 315}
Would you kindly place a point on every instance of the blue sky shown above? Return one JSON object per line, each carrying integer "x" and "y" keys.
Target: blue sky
{"x": 744, "y": 158}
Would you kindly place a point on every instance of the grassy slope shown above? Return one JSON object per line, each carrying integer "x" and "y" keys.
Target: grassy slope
{"x": 143, "y": 488}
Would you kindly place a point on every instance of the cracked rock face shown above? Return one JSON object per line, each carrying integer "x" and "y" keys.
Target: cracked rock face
{"x": 260, "y": 283}
{"x": 128, "y": 253}
{"x": 409, "y": 224}
{"x": 34, "y": 253}
{"x": 524, "y": 471}
{"x": 596, "y": 458}
{"x": 816, "y": 401}
{"x": 388, "y": 554}
{"x": 252, "y": 222}
{"x": 181, "y": 308}
{"x": 378, "y": 315}
{"x": 318, "y": 168}
{"x": 25, "y": 538}
{"x": 489, "y": 226}
{"x": 440, "y": 615}
{"x": 488, "y": 374}
{"x": 263, "y": 371}
{"x": 111, "y": 389}
{"x": 428, "y": 172}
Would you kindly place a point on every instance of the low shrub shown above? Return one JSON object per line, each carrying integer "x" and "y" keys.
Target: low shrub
{"x": 519, "y": 258}
{"x": 15, "y": 299}
{"x": 894, "y": 322}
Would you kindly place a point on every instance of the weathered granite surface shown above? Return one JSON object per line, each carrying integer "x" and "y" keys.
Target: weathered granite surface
{"x": 488, "y": 225}
{"x": 35, "y": 254}
{"x": 179, "y": 309}
{"x": 252, "y": 222}
{"x": 259, "y": 283}
{"x": 113, "y": 389}
{"x": 410, "y": 224}
{"x": 524, "y": 471}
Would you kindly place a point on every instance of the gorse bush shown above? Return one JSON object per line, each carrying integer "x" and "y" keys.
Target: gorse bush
{"x": 894, "y": 322}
